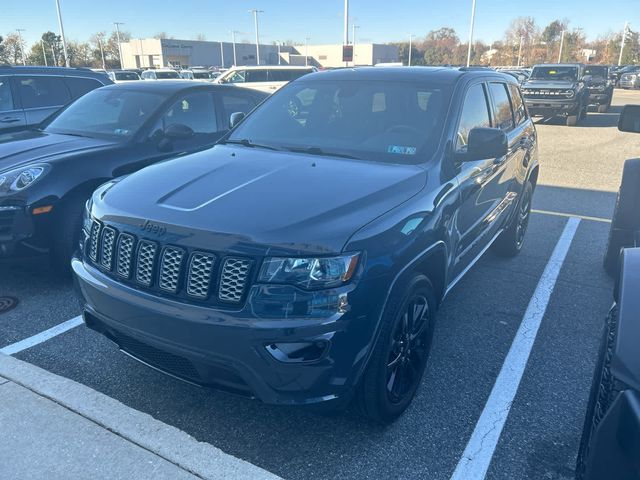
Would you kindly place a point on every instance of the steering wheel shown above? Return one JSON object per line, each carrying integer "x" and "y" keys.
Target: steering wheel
{"x": 402, "y": 129}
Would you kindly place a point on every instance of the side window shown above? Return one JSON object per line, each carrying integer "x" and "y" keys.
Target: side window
{"x": 519, "y": 112}
{"x": 195, "y": 110}
{"x": 502, "y": 106}
{"x": 475, "y": 114}
{"x": 6, "y": 99}
{"x": 256, "y": 76}
{"x": 235, "y": 103}
{"x": 80, "y": 86}
{"x": 236, "y": 77}
{"x": 279, "y": 75}
{"x": 37, "y": 92}
{"x": 293, "y": 74}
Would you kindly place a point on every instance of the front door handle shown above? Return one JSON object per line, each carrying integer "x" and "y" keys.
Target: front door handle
{"x": 9, "y": 120}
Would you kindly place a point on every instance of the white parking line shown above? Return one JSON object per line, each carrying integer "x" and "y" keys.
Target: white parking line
{"x": 479, "y": 451}
{"x": 572, "y": 215}
{"x": 42, "y": 336}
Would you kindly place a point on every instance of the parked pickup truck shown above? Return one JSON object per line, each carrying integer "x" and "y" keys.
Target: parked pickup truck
{"x": 557, "y": 90}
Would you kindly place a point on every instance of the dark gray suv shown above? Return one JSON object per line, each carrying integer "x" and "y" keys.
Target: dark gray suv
{"x": 28, "y": 95}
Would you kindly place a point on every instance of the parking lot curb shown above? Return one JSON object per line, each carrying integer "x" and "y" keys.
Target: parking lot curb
{"x": 170, "y": 443}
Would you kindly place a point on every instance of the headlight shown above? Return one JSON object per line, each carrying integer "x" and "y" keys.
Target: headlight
{"x": 20, "y": 178}
{"x": 309, "y": 273}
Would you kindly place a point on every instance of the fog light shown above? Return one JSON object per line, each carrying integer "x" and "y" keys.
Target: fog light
{"x": 298, "y": 352}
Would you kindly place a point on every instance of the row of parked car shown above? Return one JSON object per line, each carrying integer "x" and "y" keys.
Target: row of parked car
{"x": 293, "y": 248}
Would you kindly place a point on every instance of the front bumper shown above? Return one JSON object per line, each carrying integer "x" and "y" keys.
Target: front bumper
{"x": 230, "y": 350}
{"x": 552, "y": 107}
{"x": 16, "y": 228}
{"x": 624, "y": 83}
{"x": 599, "y": 98}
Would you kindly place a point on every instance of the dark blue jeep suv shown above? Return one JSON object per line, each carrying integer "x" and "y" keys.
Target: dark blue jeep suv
{"x": 302, "y": 260}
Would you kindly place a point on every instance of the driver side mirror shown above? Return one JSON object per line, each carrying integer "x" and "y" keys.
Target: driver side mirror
{"x": 235, "y": 119}
{"x": 484, "y": 143}
{"x": 630, "y": 119}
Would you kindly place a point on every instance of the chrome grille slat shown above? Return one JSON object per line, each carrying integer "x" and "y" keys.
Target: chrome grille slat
{"x": 170, "y": 267}
{"x": 199, "y": 275}
{"x": 124, "y": 256}
{"x": 106, "y": 250}
{"x": 94, "y": 240}
{"x": 146, "y": 259}
{"x": 233, "y": 279}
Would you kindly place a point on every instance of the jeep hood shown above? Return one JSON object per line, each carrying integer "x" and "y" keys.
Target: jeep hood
{"x": 34, "y": 146}
{"x": 253, "y": 201}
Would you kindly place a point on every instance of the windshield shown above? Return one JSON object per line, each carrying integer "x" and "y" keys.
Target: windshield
{"x": 109, "y": 113}
{"x": 392, "y": 122}
{"x": 201, "y": 75}
{"x": 127, "y": 76}
{"x": 555, "y": 73}
{"x": 167, "y": 75}
{"x": 597, "y": 71}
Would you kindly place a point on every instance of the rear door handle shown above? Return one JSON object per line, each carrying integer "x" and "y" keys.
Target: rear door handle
{"x": 9, "y": 120}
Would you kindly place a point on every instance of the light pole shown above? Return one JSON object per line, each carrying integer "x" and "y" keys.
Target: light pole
{"x": 346, "y": 26}
{"x": 222, "y": 53}
{"x": 44, "y": 52}
{"x": 353, "y": 41}
{"x": 20, "y": 30}
{"x": 561, "y": 46}
{"x": 233, "y": 41}
{"x": 104, "y": 65}
{"x": 306, "y": 51}
{"x": 117, "y": 24}
{"x": 624, "y": 36}
{"x": 410, "y": 48}
{"x": 255, "y": 21}
{"x": 64, "y": 41}
{"x": 473, "y": 18}
{"x": 279, "y": 62}
{"x": 520, "y": 49}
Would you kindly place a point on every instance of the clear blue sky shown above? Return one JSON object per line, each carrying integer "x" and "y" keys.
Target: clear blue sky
{"x": 380, "y": 20}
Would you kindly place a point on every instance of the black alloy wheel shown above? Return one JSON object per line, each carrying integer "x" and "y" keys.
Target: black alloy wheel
{"x": 522, "y": 220}
{"x": 409, "y": 349}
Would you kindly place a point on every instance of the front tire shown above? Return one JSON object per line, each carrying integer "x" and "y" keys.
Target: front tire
{"x": 400, "y": 354}
{"x": 509, "y": 243}
{"x": 572, "y": 120}
{"x": 603, "y": 108}
{"x": 66, "y": 234}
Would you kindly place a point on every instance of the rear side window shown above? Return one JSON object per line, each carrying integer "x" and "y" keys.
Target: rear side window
{"x": 80, "y": 86}
{"x": 256, "y": 76}
{"x": 37, "y": 92}
{"x": 519, "y": 112}
{"x": 6, "y": 99}
{"x": 293, "y": 74}
{"x": 475, "y": 114}
{"x": 235, "y": 103}
{"x": 501, "y": 106}
{"x": 279, "y": 75}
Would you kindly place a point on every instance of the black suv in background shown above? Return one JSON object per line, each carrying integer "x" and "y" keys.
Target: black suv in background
{"x": 302, "y": 259}
{"x": 600, "y": 86}
{"x": 28, "y": 95}
{"x": 557, "y": 90}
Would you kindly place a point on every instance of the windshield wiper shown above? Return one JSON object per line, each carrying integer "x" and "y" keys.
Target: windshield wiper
{"x": 319, "y": 151}
{"x": 245, "y": 142}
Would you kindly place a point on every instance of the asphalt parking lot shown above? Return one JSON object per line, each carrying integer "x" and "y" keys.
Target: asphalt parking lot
{"x": 477, "y": 324}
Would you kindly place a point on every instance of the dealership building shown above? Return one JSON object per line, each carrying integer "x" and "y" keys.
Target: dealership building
{"x": 166, "y": 52}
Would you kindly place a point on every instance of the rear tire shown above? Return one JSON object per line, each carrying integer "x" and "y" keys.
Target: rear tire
{"x": 626, "y": 216}
{"x": 603, "y": 108}
{"x": 400, "y": 354}
{"x": 67, "y": 224}
{"x": 509, "y": 243}
{"x": 572, "y": 120}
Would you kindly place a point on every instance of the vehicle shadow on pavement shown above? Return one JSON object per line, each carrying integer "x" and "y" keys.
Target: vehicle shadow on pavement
{"x": 593, "y": 119}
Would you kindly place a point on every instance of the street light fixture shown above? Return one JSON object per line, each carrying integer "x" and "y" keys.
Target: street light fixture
{"x": 473, "y": 19}
{"x": 20, "y": 30}
{"x": 255, "y": 21}
{"x": 117, "y": 24}
{"x": 64, "y": 41}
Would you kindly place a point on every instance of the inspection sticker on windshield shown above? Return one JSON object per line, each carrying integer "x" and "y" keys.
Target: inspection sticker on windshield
{"x": 402, "y": 150}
